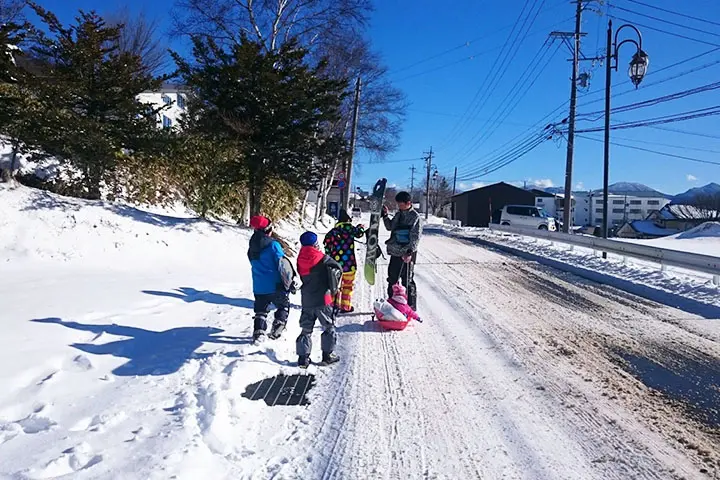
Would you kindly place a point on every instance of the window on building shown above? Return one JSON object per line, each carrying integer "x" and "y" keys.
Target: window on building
{"x": 618, "y": 202}
{"x": 635, "y": 211}
{"x": 166, "y": 100}
{"x": 167, "y": 123}
{"x": 540, "y": 200}
{"x": 598, "y": 210}
{"x": 653, "y": 202}
{"x": 635, "y": 202}
{"x": 181, "y": 101}
{"x": 618, "y": 210}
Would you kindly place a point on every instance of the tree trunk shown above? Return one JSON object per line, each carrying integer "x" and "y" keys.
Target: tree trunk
{"x": 256, "y": 196}
{"x": 318, "y": 202}
{"x": 303, "y": 206}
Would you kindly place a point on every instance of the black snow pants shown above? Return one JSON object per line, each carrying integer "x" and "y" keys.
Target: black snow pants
{"x": 280, "y": 299}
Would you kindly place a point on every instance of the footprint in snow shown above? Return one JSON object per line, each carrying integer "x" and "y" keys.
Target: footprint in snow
{"x": 72, "y": 460}
{"x": 98, "y": 422}
{"x": 80, "y": 363}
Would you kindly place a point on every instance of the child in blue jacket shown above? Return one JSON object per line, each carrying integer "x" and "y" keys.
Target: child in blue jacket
{"x": 265, "y": 253}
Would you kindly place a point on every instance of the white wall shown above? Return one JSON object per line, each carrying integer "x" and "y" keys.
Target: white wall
{"x": 622, "y": 208}
{"x": 173, "y": 113}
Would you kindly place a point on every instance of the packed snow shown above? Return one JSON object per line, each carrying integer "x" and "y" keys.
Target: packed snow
{"x": 703, "y": 239}
{"x": 126, "y": 350}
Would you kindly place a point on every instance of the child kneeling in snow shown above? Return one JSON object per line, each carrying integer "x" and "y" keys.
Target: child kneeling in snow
{"x": 399, "y": 305}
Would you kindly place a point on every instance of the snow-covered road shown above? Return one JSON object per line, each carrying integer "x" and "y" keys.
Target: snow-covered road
{"x": 136, "y": 371}
{"x": 510, "y": 376}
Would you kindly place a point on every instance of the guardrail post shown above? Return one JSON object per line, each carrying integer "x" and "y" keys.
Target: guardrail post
{"x": 716, "y": 279}
{"x": 663, "y": 267}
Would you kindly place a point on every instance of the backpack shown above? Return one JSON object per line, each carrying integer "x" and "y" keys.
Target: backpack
{"x": 334, "y": 279}
{"x": 288, "y": 274}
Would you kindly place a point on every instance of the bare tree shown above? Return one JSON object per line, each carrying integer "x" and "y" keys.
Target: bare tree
{"x": 270, "y": 22}
{"x": 11, "y": 11}
{"x": 440, "y": 194}
{"x": 141, "y": 35}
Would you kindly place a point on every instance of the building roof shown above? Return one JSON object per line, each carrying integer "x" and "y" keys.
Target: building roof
{"x": 648, "y": 227}
{"x": 681, "y": 212}
{"x": 494, "y": 185}
{"x": 169, "y": 87}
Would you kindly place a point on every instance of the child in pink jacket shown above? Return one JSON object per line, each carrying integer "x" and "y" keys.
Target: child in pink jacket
{"x": 399, "y": 301}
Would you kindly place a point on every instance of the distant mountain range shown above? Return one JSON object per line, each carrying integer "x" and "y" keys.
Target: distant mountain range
{"x": 693, "y": 193}
{"x": 640, "y": 190}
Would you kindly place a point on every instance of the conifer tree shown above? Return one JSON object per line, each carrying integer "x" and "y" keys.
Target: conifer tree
{"x": 92, "y": 117}
{"x": 271, "y": 107}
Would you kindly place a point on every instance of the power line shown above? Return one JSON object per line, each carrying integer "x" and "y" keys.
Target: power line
{"x": 681, "y": 117}
{"x": 510, "y": 41}
{"x": 651, "y": 17}
{"x": 669, "y": 145}
{"x": 686, "y": 132}
{"x": 501, "y": 112}
{"x": 655, "y": 7}
{"x": 652, "y": 101}
{"x": 665, "y": 154}
{"x": 638, "y": 24}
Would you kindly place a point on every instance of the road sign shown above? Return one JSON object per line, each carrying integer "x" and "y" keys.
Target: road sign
{"x": 341, "y": 184}
{"x": 341, "y": 176}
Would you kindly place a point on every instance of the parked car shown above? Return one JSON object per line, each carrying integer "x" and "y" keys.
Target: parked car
{"x": 527, "y": 216}
{"x": 356, "y": 212}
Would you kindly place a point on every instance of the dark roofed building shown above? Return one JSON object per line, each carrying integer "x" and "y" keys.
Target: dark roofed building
{"x": 476, "y": 208}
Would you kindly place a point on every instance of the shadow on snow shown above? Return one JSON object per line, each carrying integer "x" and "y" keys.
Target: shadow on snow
{"x": 148, "y": 352}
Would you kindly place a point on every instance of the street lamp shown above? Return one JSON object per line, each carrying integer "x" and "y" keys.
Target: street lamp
{"x": 636, "y": 71}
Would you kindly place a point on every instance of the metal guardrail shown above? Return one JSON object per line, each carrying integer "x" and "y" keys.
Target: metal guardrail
{"x": 663, "y": 256}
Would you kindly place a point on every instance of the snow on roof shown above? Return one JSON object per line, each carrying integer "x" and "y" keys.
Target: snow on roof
{"x": 647, "y": 227}
{"x": 681, "y": 212}
{"x": 705, "y": 230}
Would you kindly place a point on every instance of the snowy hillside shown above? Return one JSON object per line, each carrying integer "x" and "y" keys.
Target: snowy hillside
{"x": 689, "y": 196}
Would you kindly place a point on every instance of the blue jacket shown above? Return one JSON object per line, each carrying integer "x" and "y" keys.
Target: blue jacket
{"x": 265, "y": 254}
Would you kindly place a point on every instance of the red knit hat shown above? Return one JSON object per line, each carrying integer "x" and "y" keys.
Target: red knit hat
{"x": 258, "y": 222}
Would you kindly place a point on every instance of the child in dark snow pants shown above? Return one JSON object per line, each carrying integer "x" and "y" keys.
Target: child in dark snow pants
{"x": 320, "y": 276}
{"x": 265, "y": 254}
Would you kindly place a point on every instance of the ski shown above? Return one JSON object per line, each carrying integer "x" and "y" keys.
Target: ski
{"x": 373, "y": 248}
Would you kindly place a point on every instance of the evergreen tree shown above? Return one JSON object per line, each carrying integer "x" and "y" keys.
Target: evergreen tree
{"x": 93, "y": 119}
{"x": 270, "y": 107}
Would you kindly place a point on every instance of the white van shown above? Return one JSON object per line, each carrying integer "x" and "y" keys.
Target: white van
{"x": 527, "y": 216}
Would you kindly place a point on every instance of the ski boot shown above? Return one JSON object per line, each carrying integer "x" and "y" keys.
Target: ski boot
{"x": 303, "y": 361}
{"x": 329, "y": 358}
{"x": 258, "y": 336}
{"x": 277, "y": 331}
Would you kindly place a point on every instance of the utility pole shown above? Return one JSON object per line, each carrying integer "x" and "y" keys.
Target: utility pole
{"x": 575, "y": 50}
{"x": 428, "y": 167}
{"x": 353, "y": 136}
{"x": 567, "y": 210}
{"x": 412, "y": 179}
{"x": 452, "y": 202}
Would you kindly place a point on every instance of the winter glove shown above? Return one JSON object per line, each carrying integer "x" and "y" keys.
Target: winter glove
{"x": 384, "y": 211}
{"x": 407, "y": 258}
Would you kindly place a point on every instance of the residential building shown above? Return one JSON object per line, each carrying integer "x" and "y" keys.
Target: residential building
{"x": 481, "y": 206}
{"x": 669, "y": 220}
{"x": 171, "y": 96}
{"x": 624, "y": 208}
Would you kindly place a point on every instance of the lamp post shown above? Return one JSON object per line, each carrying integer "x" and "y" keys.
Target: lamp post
{"x": 637, "y": 70}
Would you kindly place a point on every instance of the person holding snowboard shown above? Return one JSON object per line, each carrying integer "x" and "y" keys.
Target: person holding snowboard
{"x": 320, "y": 276}
{"x": 405, "y": 231}
{"x": 340, "y": 246}
{"x": 265, "y": 253}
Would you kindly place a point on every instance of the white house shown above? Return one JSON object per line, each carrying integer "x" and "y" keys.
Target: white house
{"x": 588, "y": 207}
{"x": 169, "y": 94}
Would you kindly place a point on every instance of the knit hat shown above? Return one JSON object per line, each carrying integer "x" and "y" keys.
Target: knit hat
{"x": 258, "y": 222}
{"x": 308, "y": 239}
{"x": 344, "y": 217}
{"x": 398, "y": 289}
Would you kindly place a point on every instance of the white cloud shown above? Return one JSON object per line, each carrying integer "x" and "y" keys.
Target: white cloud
{"x": 580, "y": 186}
{"x": 542, "y": 183}
{"x": 691, "y": 178}
{"x": 470, "y": 186}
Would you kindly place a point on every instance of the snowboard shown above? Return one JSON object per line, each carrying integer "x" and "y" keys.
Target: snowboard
{"x": 373, "y": 247}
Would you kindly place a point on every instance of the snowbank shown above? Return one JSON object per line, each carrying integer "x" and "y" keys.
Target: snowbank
{"x": 704, "y": 239}
{"x": 692, "y": 285}
{"x": 37, "y": 225}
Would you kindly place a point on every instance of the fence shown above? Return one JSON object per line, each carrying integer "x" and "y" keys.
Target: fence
{"x": 665, "y": 257}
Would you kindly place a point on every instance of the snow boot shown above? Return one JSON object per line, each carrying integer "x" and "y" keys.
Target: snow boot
{"x": 277, "y": 331}
{"x": 303, "y": 361}
{"x": 329, "y": 358}
{"x": 258, "y": 336}
{"x": 351, "y": 310}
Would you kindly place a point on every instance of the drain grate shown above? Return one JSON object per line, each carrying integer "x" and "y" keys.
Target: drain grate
{"x": 281, "y": 390}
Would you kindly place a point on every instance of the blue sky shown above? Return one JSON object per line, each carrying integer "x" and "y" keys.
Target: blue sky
{"x": 453, "y": 110}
